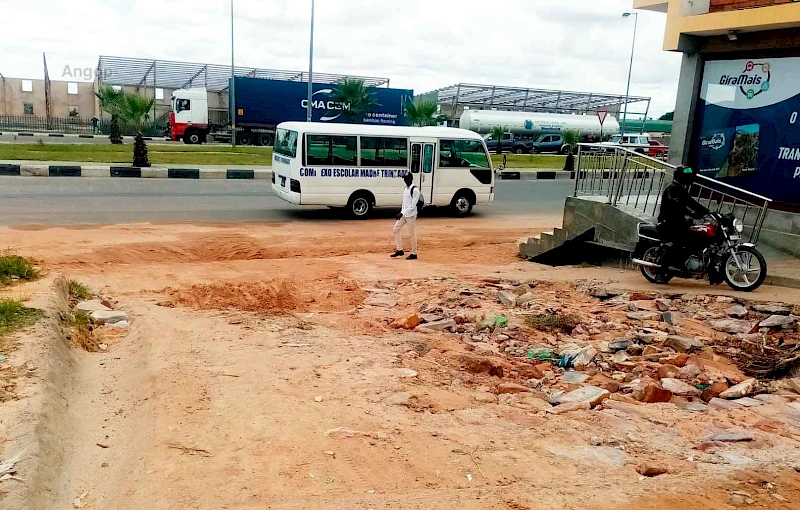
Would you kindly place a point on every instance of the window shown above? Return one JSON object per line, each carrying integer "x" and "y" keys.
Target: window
{"x": 385, "y": 152}
{"x": 286, "y": 143}
{"x": 74, "y": 111}
{"x": 27, "y": 86}
{"x": 463, "y": 153}
{"x": 117, "y": 87}
{"x": 159, "y": 93}
{"x": 72, "y": 89}
{"x": 547, "y": 139}
{"x": 427, "y": 162}
{"x": 182, "y": 104}
{"x": 28, "y": 108}
{"x": 331, "y": 150}
{"x": 556, "y": 138}
{"x": 416, "y": 157}
{"x": 507, "y": 136}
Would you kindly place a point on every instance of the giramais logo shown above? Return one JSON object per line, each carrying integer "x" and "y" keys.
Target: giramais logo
{"x": 754, "y": 80}
{"x": 716, "y": 142}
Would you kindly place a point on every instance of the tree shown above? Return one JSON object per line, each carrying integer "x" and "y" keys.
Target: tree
{"x": 355, "y": 97}
{"x": 109, "y": 99}
{"x": 571, "y": 140}
{"x": 140, "y": 158}
{"x": 135, "y": 110}
{"x": 423, "y": 112}
{"x": 667, "y": 116}
{"x": 114, "y": 133}
{"x": 497, "y": 135}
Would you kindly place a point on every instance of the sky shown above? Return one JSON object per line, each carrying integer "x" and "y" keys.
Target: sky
{"x": 580, "y": 45}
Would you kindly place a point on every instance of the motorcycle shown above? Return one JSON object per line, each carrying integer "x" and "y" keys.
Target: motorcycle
{"x": 714, "y": 250}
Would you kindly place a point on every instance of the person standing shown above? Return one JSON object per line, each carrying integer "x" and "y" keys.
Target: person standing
{"x": 407, "y": 216}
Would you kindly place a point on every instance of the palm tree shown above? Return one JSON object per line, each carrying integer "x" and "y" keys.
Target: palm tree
{"x": 135, "y": 109}
{"x": 355, "y": 96}
{"x": 571, "y": 139}
{"x": 497, "y": 134}
{"x": 109, "y": 99}
{"x": 423, "y": 112}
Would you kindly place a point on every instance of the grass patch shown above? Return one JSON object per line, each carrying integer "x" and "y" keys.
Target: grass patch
{"x": 80, "y": 331}
{"x": 550, "y": 162}
{"x": 15, "y": 267}
{"x": 123, "y": 154}
{"x": 79, "y": 291}
{"x": 14, "y": 315}
{"x": 554, "y": 321}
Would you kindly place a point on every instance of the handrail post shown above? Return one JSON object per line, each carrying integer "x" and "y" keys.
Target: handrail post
{"x": 621, "y": 180}
{"x": 577, "y": 172}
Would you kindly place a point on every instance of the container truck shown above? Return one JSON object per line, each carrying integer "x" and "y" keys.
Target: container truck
{"x": 262, "y": 104}
{"x": 534, "y": 124}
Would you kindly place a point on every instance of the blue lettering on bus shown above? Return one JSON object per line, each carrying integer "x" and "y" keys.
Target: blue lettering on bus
{"x": 367, "y": 173}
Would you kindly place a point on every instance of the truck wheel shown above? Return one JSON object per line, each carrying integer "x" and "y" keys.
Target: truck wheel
{"x": 265, "y": 139}
{"x": 360, "y": 205}
{"x": 192, "y": 137}
{"x": 519, "y": 150}
{"x": 245, "y": 138}
{"x": 535, "y": 150}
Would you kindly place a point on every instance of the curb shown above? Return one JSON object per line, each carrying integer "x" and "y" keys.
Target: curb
{"x": 29, "y": 170}
{"x": 74, "y": 135}
{"x": 782, "y": 281}
{"x": 531, "y": 175}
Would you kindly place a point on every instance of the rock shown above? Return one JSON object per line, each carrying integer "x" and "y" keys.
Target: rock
{"x": 573, "y": 377}
{"x": 695, "y": 406}
{"x": 432, "y": 317}
{"x": 507, "y": 298}
{"x": 120, "y": 324}
{"x": 568, "y": 407}
{"x": 742, "y": 389}
{"x": 484, "y": 348}
{"x": 108, "y": 316}
{"x": 724, "y": 299}
{"x": 732, "y": 326}
{"x": 620, "y": 357}
{"x": 383, "y": 300}
{"x": 748, "y": 402}
{"x": 523, "y": 289}
{"x": 644, "y": 305}
{"x": 680, "y": 388}
{"x": 635, "y": 350}
{"x": 586, "y": 355}
{"x": 777, "y": 321}
{"x": 649, "y": 350}
{"x": 526, "y": 298}
{"x": 737, "y": 311}
{"x": 409, "y": 322}
{"x": 644, "y": 316}
{"x": 603, "y": 381}
{"x": 664, "y": 304}
{"x": 591, "y": 394}
{"x": 683, "y": 343}
{"x": 678, "y": 360}
{"x": 317, "y": 399}
{"x": 793, "y": 383}
{"x": 481, "y": 365}
{"x": 667, "y": 372}
{"x": 650, "y": 470}
{"x": 619, "y": 345}
{"x": 603, "y": 292}
{"x": 641, "y": 296}
{"x": 672, "y": 318}
{"x": 592, "y": 454}
{"x": 510, "y": 388}
{"x": 732, "y": 436}
{"x": 773, "y": 308}
{"x": 579, "y": 330}
{"x": 441, "y": 325}
{"x": 91, "y": 305}
{"x": 690, "y": 371}
{"x": 534, "y": 402}
{"x": 404, "y": 373}
{"x": 651, "y": 393}
{"x": 723, "y": 404}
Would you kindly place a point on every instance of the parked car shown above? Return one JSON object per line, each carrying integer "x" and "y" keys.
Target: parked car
{"x": 510, "y": 143}
{"x": 657, "y": 149}
{"x": 549, "y": 143}
{"x": 638, "y": 142}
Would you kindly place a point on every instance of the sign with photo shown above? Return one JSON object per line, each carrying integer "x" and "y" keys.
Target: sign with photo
{"x": 747, "y": 126}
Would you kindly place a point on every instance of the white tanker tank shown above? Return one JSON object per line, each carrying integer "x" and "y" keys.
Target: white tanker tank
{"x": 533, "y": 123}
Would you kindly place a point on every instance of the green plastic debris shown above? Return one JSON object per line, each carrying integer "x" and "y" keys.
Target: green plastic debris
{"x": 500, "y": 320}
{"x": 3, "y": 357}
{"x": 541, "y": 354}
{"x": 703, "y": 386}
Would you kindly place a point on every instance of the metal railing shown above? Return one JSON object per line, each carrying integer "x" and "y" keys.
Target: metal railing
{"x": 626, "y": 176}
{"x": 77, "y": 125}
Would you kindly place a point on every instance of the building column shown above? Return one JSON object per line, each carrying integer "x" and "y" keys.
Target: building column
{"x": 689, "y": 85}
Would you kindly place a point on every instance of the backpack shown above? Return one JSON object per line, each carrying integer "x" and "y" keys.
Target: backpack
{"x": 421, "y": 201}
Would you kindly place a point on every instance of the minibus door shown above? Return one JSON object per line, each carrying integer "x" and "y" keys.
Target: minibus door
{"x": 422, "y": 167}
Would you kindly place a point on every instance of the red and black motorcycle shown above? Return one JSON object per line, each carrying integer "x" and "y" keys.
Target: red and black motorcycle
{"x": 712, "y": 250}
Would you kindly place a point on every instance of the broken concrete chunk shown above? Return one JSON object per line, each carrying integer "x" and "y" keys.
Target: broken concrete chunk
{"x": 773, "y": 308}
{"x": 672, "y": 318}
{"x": 384, "y": 300}
{"x": 683, "y": 343}
{"x": 568, "y": 407}
{"x": 108, "y": 316}
{"x": 619, "y": 345}
{"x": 724, "y": 404}
{"x": 732, "y": 436}
{"x": 575, "y": 377}
{"x": 737, "y": 311}
{"x": 508, "y": 388}
{"x": 507, "y": 298}
{"x": 777, "y": 321}
{"x": 432, "y": 317}
{"x": 742, "y": 389}
{"x": 441, "y": 325}
{"x": 591, "y": 394}
{"x": 732, "y": 326}
{"x": 644, "y": 316}
{"x": 680, "y": 388}
{"x": 525, "y": 298}
{"x": 91, "y": 305}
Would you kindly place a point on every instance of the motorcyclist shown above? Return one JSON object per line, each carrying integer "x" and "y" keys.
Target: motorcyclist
{"x": 678, "y": 209}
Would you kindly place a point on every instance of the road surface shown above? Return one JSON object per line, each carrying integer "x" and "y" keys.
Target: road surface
{"x": 39, "y": 200}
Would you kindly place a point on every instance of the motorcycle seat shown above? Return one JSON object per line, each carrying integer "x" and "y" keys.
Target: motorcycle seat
{"x": 650, "y": 231}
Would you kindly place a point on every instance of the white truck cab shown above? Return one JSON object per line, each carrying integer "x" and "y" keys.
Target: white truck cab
{"x": 189, "y": 116}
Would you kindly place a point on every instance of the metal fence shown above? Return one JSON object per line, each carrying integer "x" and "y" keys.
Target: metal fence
{"x": 76, "y": 125}
{"x": 624, "y": 176}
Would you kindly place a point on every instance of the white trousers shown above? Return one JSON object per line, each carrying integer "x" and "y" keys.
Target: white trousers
{"x": 411, "y": 221}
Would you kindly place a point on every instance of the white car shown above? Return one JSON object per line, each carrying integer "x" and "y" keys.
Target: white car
{"x": 639, "y": 142}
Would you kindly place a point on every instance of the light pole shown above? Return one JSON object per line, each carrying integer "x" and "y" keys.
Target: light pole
{"x": 630, "y": 69}
{"x": 232, "y": 107}
{"x": 310, "y": 107}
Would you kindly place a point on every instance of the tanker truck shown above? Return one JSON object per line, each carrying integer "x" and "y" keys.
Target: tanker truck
{"x": 533, "y": 124}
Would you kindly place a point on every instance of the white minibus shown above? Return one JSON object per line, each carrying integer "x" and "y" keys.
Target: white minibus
{"x": 362, "y": 166}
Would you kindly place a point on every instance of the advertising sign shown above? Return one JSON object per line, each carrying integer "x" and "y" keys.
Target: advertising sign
{"x": 270, "y": 102}
{"x": 748, "y": 132}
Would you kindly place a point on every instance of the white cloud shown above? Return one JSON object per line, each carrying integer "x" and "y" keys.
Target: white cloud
{"x": 421, "y": 44}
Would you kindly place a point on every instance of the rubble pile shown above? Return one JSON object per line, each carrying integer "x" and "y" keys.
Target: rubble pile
{"x": 581, "y": 343}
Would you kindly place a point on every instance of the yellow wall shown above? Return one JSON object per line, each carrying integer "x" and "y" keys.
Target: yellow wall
{"x": 745, "y": 20}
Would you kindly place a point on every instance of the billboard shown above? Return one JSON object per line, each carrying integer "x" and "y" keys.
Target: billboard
{"x": 269, "y": 102}
{"x": 747, "y": 130}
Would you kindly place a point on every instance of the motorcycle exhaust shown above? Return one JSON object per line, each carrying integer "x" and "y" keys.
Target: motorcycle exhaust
{"x": 640, "y": 262}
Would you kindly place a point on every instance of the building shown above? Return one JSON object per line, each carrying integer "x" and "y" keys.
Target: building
{"x": 738, "y": 100}
{"x": 19, "y": 96}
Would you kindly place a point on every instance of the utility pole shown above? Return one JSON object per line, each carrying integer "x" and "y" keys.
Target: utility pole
{"x": 232, "y": 100}
{"x": 310, "y": 107}
{"x": 630, "y": 69}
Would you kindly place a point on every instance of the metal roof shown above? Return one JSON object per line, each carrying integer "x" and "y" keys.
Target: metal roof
{"x": 169, "y": 74}
{"x": 528, "y": 99}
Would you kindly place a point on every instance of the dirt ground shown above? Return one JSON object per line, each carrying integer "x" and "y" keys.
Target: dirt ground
{"x": 261, "y": 370}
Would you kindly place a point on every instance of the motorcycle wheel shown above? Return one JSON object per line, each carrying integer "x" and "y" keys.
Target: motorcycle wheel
{"x": 653, "y": 275}
{"x": 751, "y": 276}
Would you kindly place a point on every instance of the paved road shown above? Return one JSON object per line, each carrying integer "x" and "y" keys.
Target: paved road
{"x": 65, "y": 200}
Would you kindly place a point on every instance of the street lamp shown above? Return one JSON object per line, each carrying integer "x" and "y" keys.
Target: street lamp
{"x": 232, "y": 107}
{"x": 630, "y": 69}
{"x": 310, "y": 107}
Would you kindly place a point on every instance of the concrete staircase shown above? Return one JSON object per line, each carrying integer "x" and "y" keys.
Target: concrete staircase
{"x": 540, "y": 245}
